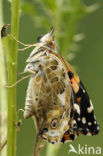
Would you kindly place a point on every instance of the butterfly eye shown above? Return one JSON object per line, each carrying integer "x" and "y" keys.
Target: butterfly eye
{"x": 54, "y": 123}
{"x": 38, "y": 38}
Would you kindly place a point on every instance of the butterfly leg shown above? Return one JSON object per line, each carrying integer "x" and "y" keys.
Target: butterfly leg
{"x": 13, "y": 85}
{"x": 3, "y": 145}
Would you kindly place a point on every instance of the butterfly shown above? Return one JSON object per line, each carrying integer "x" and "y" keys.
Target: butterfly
{"x": 56, "y": 97}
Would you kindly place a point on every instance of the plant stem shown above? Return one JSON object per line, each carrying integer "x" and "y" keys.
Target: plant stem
{"x": 12, "y": 76}
{"x": 52, "y": 149}
{"x": 3, "y": 100}
{"x": 3, "y": 93}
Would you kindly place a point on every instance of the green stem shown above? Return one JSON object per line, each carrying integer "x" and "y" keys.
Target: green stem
{"x": 12, "y": 76}
{"x": 3, "y": 100}
{"x": 52, "y": 149}
{"x": 3, "y": 93}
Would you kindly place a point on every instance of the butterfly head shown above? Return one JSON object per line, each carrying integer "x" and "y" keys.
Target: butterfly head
{"x": 48, "y": 38}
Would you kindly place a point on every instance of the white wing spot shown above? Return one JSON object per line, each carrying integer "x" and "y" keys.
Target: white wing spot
{"x": 79, "y": 119}
{"x": 84, "y": 120}
{"x": 98, "y": 128}
{"x": 83, "y": 91}
{"x": 76, "y": 107}
{"x": 89, "y": 123}
{"x": 95, "y": 122}
{"x": 74, "y": 122}
{"x": 87, "y": 129}
{"x": 90, "y": 109}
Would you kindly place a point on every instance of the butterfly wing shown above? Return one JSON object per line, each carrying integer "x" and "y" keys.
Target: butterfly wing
{"x": 83, "y": 109}
{"x": 84, "y": 121}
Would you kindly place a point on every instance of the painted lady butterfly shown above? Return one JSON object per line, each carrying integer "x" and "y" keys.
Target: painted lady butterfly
{"x": 56, "y": 97}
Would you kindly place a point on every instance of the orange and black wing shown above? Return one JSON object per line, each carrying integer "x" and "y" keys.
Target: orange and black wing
{"x": 84, "y": 120}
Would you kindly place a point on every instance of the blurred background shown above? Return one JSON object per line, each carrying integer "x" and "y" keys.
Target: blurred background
{"x": 78, "y": 26}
